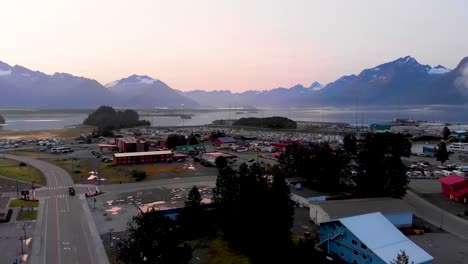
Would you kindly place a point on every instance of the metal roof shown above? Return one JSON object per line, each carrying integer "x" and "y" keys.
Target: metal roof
{"x": 383, "y": 238}
{"x": 451, "y": 179}
{"x": 227, "y": 139}
{"x": 139, "y": 154}
{"x": 344, "y": 208}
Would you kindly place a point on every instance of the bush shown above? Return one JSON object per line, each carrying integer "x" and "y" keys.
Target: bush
{"x": 139, "y": 175}
{"x": 22, "y": 164}
{"x": 77, "y": 171}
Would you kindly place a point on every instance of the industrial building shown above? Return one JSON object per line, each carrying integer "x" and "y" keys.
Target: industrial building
{"x": 131, "y": 144}
{"x": 225, "y": 142}
{"x": 210, "y": 157}
{"x": 142, "y": 157}
{"x": 455, "y": 188}
{"x": 397, "y": 211}
{"x": 368, "y": 239}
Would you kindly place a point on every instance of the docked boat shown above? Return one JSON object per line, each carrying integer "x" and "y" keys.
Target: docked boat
{"x": 458, "y": 147}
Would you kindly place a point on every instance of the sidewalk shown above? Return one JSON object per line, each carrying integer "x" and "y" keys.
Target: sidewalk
{"x": 436, "y": 216}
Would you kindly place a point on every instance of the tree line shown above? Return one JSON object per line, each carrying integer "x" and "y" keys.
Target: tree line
{"x": 369, "y": 167}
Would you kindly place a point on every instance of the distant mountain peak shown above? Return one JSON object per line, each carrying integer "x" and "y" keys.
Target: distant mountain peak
{"x": 4, "y": 66}
{"x": 407, "y": 59}
{"x": 316, "y": 86}
{"x": 132, "y": 80}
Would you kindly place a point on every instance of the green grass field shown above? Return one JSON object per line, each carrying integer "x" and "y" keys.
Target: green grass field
{"x": 222, "y": 253}
{"x": 23, "y": 203}
{"x": 11, "y": 169}
{"x": 26, "y": 215}
{"x": 78, "y": 169}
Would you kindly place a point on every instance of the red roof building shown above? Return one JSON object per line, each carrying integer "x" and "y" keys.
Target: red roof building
{"x": 455, "y": 188}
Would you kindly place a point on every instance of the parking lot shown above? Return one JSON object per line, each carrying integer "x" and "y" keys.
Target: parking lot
{"x": 444, "y": 247}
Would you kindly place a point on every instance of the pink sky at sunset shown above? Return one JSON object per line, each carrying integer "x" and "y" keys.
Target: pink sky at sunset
{"x": 235, "y": 45}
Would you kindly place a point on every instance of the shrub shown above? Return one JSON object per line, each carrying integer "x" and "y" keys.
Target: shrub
{"x": 139, "y": 175}
{"x": 22, "y": 164}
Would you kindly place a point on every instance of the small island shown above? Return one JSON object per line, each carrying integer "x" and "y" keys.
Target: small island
{"x": 275, "y": 122}
{"x": 108, "y": 117}
{"x": 2, "y": 120}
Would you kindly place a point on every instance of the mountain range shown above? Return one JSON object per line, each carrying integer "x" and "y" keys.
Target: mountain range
{"x": 402, "y": 81}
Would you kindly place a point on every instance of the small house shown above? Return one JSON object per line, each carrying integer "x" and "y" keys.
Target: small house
{"x": 455, "y": 188}
{"x": 225, "y": 142}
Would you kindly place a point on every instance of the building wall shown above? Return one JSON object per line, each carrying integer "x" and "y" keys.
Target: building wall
{"x": 305, "y": 201}
{"x": 404, "y": 219}
{"x": 336, "y": 239}
{"x": 317, "y": 214}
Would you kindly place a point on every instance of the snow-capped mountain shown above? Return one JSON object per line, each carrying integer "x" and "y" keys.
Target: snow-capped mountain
{"x": 144, "y": 91}
{"x": 21, "y": 87}
{"x": 402, "y": 81}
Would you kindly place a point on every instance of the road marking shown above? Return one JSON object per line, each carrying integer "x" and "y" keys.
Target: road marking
{"x": 45, "y": 233}
{"x": 58, "y": 230}
{"x": 68, "y": 206}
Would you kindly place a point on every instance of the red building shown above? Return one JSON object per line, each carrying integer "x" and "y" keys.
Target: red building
{"x": 131, "y": 145}
{"x": 455, "y": 188}
{"x": 224, "y": 141}
{"x": 142, "y": 157}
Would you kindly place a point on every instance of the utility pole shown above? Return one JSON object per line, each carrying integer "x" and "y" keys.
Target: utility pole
{"x": 17, "y": 190}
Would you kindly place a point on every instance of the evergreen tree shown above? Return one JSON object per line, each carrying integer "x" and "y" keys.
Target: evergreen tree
{"x": 175, "y": 140}
{"x": 192, "y": 139}
{"x": 295, "y": 161}
{"x": 221, "y": 162}
{"x": 226, "y": 200}
{"x": 402, "y": 258}
{"x": 191, "y": 216}
{"x": 154, "y": 238}
{"x": 446, "y": 133}
{"x": 350, "y": 144}
{"x": 2, "y": 120}
{"x": 442, "y": 153}
{"x": 381, "y": 171}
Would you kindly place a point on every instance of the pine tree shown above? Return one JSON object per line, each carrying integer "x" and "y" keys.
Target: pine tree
{"x": 350, "y": 144}
{"x": 442, "y": 154}
{"x": 154, "y": 238}
{"x": 402, "y": 258}
{"x": 191, "y": 216}
{"x": 446, "y": 133}
{"x": 192, "y": 139}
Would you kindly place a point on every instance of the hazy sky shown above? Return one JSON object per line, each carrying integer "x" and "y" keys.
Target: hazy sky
{"x": 236, "y": 45}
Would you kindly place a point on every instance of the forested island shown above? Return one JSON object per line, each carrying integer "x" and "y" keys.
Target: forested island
{"x": 276, "y": 122}
{"x": 108, "y": 117}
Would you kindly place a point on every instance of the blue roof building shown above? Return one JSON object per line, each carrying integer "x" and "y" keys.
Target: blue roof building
{"x": 369, "y": 239}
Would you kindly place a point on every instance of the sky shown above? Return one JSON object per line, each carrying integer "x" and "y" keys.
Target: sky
{"x": 229, "y": 45}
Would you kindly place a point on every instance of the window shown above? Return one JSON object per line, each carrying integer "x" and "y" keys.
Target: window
{"x": 364, "y": 256}
{"x": 342, "y": 254}
{"x": 355, "y": 262}
{"x": 363, "y": 246}
{"x": 337, "y": 244}
{"x": 354, "y": 242}
{"x": 355, "y": 252}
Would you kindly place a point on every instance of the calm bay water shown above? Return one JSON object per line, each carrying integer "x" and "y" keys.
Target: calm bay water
{"x": 54, "y": 119}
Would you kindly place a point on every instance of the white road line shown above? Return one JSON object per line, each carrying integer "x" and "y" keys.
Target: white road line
{"x": 45, "y": 232}
{"x": 68, "y": 206}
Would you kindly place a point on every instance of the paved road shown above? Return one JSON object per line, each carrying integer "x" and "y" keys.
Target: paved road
{"x": 168, "y": 183}
{"x": 65, "y": 231}
{"x": 437, "y": 216}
